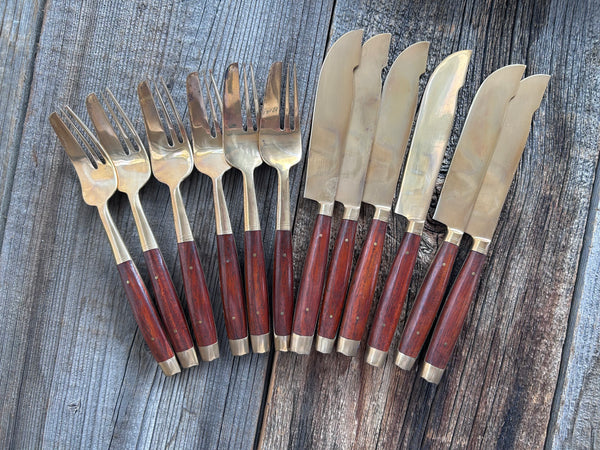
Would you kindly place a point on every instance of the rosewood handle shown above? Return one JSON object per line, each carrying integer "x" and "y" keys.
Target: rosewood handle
{"x": 168, "y": 302}
{"x": 364, "y": 282}
{"x": 283, "y": 284}
{"x": 455, "y": 311}
{"x": 428, "y": 301}
{"x": 232, "y": 291}
{"x": 313, "y": 279}
{"x": 196, "y": 294}
{"x": 144, "y": 312}
{"x": 256, "y": 284}
{"x": 394, "y": 293}
{"x": 337, "y": 280}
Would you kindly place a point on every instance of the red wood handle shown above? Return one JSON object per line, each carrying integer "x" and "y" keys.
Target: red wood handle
{"x": 196, "y": 294}
{"x": 455, "y": 311}
{"x": 232, "y": 291}
{"x": 313, "y": 278}
{"x": 168, "y": 302}
{"x": 144, "y": 312}
{"x": 394, "y": 293}
{"x": 430, "y": 296}
{"x": 256, "y": 284}
{"x": 364, "y": 281}
{"x": 283, "y": 284}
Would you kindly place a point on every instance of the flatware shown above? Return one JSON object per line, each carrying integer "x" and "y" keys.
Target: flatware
{"x": 132, "y": 166}
{"x": 280, "y": 146}
{"x": 209, "y": 159}
{"x": 432, "y": 130}
{"x": 240, "y": 143}
{"x": 172, "y": 162}
{"x": 483, "y": 220}
{"x": 396, "y": 115}
{"x": 357, "y": 149}
{"x": 469, "y": 163}
{"x": 98, "y": 180}
{"x": 330, "y": 123}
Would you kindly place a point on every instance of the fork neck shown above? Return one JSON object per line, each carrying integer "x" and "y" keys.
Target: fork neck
{"x": 182, "y": 224}
{"x": 223, "y": 224}
{"x": 114, "y": 237}
{"x": 251, "y": 218}
{"x": 284, "y": 221}
{"x": 147, "y": 239}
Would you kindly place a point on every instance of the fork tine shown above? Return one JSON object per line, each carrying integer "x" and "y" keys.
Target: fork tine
{"x": 232, "y": 111}
{"x": 99, "y": 154}
{"x": 215, "y": 119}
{"x": 255, "y": 95}
{"x": 166, "y": 116}
{"x": 216, "y": 90}
{"x": 133, "y": 133}
{"x": 72, "y": 147}
{"x": 296, "y": 107}
{"x": 182, "y": 131}
{"x": 271, "y": 102}
{"x": 104, "y": 129}
{"x": 152, "y": 121}
{"x": 286, "y": 116}
{"x": 249, "y": 124}
{"x": 196, "y": 104}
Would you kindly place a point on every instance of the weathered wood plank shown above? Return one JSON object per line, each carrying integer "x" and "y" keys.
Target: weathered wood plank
{"x": 75, "y": 373}
{"x": 499, "y": 386}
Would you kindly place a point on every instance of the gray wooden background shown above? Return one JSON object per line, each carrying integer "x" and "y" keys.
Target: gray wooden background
{"x": 75, "y": 373}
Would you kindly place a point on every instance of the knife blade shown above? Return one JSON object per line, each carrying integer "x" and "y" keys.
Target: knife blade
{"x": 483, "y": 220}
{"x": 432, "y": 130}
{"x": 331, "y": 115}
{"x": 359, "y": 140}
{"x": 395, "y": 118}
{"x": 471, "y": 158}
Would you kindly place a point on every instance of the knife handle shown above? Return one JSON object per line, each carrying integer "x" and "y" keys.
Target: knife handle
{"x": 256, "y": 288}
{"x": 427, "y": 304}
{"x": 453, "y": 316}
{"x": 198, "y": 300}
{"x": 232, "y": 291}
{"x": 283, "y": 284}
{"x": 364, "y": 282}
{"x": 394, "y": 293}
{"x": 146, "y": 316}
{"x": 311, "y": 284}
{"x": 168, "y": 302}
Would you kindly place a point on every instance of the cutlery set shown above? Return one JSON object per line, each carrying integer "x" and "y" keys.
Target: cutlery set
{"x": 360, "y": 132}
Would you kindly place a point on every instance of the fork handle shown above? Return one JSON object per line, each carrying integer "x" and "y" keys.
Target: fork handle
{"x": 256, "y": 291}
{"x": 283, "y": 285}
{"x": 198, "y": 300}
{"x": 147, "y": 318}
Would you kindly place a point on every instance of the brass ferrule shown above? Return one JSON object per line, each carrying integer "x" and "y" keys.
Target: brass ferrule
{"x": 282, "y": 343}
{"x": 403, "y": 361}
{"x": 209, "y": 352}
{"x": 415, "y": 227}
{"x": 239, "y": 347}
{"x": 480, "y": 245}
{"x": 223, "y": 224}
{"x": 351, "y": 213}
{"x": 182, "y": 224}
{"x": 324, "y": 345}
{"x": 375, "y": 357}
{"x": 301, "y": 344}
{"x": 114, "y": 237}
{"x": 382, "y": 214}
{"x": 326, "y": 209}
{"x": 347, "y": 347}
{"x": 431, "y": 373}
{"x": 453, "y": 236}
{"x": 170, "y": 366}
{"x": 188, "y": 358}
{"x": 261, "y": 343}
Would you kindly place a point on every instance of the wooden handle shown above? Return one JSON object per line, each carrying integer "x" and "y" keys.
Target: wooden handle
{"x": 455, "y": 311}
{"x": 232, "y": 291}
{"x": 196, "y": 294}
{"x": 394, "y": 293}
{"x": 283, "y": 284}
{"x": 313, "y": 278}
{"x": 144, "y": 312}
{"x": 256, "y": 284}
{"x": 428, "y": 301}
{"x": 168, "y": 302}
{"x": 364, "y": 281}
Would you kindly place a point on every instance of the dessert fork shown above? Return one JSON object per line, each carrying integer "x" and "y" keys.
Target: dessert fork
{"x": 98, "y": 183}
{"x": 281, "y": 147}
{"x": 240, "y": 143}
{"x": 210, "y": 160}
{"x": 172, "y": 162}
{"x": 133, "y": 171}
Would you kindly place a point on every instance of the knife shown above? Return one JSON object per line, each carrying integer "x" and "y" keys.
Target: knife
{"x": 431, "y": 134}
{"x": 330, "y": 122}
{"x": 359, "y": 140}
{"x": 469, "y": 163}
{"x": 483, "y": 220}
{"x": 395, "y": 118}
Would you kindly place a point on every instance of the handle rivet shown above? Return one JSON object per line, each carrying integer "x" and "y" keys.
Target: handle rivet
{"x": 375, "y": 244}
{"x": 258, "y": 313}
{"x": 190, "y": 267}
{"x": 285, "y": 255}
{"x": 227, "y": 261}
{"x": 473, "y": 273}
{"x": 444, "y": 264}
{"x": 254, "y": 255}
{"x": 152, "y": 339}
{"x": 445, "y": 344}
{"x": 306, "y": 309}
{"x": 127, "y": 281}
{"x": 281, "y": 313}
{"x": 320, "y": 235}
{"x": 418, "y": 333}
{"x": 200, "y": 321}
{"x": 407, "y": 252}
{"x": 156, "y": 277}
{"x": 331, "y": 316}
{"x": 356, "y": 317}
{"x": 174, "y": 331}
{"x": 233, "y": 318}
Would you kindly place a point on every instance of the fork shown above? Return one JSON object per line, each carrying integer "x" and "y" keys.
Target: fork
{"x": 98, "y": 180}
{"x": 172, "y": 162}
{"x": 240, "y": 143}
{"x": 133, "y": 171}
{"x": 281, "y": 147}
{"x": 210, "y": 160}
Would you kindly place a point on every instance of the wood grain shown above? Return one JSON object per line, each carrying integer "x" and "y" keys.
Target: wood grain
{"x": 257, "y": 297}
{"x": 283, "y": 284}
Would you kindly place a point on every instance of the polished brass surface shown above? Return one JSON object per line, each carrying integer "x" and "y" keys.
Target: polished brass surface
{"x": 475, "y": 146}
{"x": 396, "y": 115}
{"x": 480, "y": 245}
{"x": 375, "y": 357}
{"x": 261, "y": 343}
{"x": 188, "y": 358}
{"x": 280, "y": 144}
{"x": 239, "y": 347}
{"x": 95, "y": 171}
{"x": 431, "y": 373}
{"x": 207, "y": 142}
{"x": 403, "y": 361}
{"x": 240, "y": 140}
{"x": 432, "y": 131}
{"x": 171, "y": 154}
{"x": 170, "y": 367}
{"x": 330, "y": 119}
{"x": 324, "y": 345}
{"x": 209, "y": 352}
{"x": 382, "y": 213}
{"x": 362, "y": 124}
{"x": 504, "y": 162}
{"x": 301, "y": 344}
{"x": 347, "y": 347}
{"x": 415, "y": 227}
{"x": 282, "y": 343}
{"x": 453, "y": 236}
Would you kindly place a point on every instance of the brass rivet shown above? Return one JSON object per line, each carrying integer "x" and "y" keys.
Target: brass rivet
{"x": 445, "y": 344}
{"x": 199, "y": 321}
{"x": 281, "y": 313}
{"x": 444, "y": 264}
{"x": 127, "y": 281}
{"x": 227, "y": 261}
{"x": 285, "y": 255}
{"x": 152, "y": 339}
{"x": 254, "y": 255}
{"x": 190, "y": 267}
{"x": 407, "y": 252}
{"x": 473, "y": 273}
{"x": 331, "y": 316}
{"x": 232, "y": 317}
{"x": 258, "y": 313}
{"x": 306, "y": 309}
{"x": 174, "y": 331}
{"x": 375, "y": 244}
{"x": 418, "y": 333}
{"x": 156, "y": 277}
{"x": 320, "y": 235}
{"x": 356, "y": 317}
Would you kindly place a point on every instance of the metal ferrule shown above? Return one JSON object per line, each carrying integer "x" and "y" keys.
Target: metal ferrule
{"x": 415, "y": 227}
{"x": 182, "y": 224}
{"x": 170, "y": 366}
{"x": 326, "y": 209}
{"x": 301, "y": 344}
{"x": 282, "y": 343}
{"x": 261, "y": 343}
{"x": 375, "y": 357}
{"x": 239, "y": 347}
{"x": 209, "y": 352}
{"x": 453, "y": 236}
{"x": 431, "y": 373}
{"x": 403, "y": 361}
{"x": 147, "y": 239}
{"x": 284, "y": 221}
{"x": 324, "y": 345}
{"x": 480, "y": 245}
{"x": 351, "y": 213}
{"x": 251, "y": 218}
{"x": 188, "y": 358}
{"x": 223, "y": 224}
{"x": 347, "y": 347}
{"x": 382, "y": 214}
{"x": 116, "y": 242}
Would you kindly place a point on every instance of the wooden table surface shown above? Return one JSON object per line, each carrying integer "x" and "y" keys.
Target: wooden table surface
{"x": 74, "y": 371}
